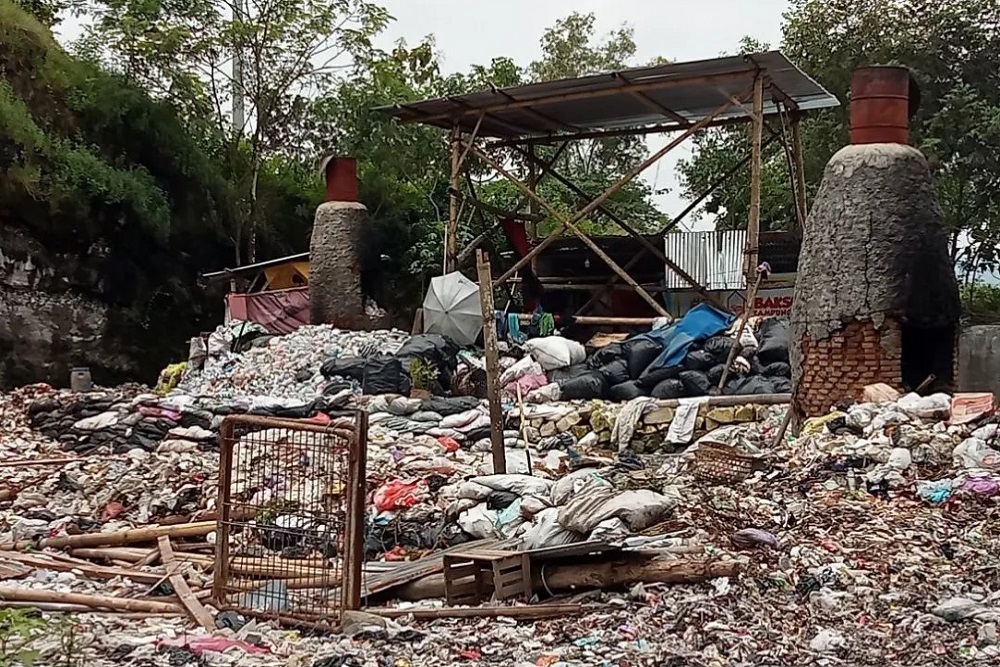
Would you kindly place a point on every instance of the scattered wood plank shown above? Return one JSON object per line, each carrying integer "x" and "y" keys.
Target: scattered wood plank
{"x": 93, "y": 602}
{"x": 181, "y": 588}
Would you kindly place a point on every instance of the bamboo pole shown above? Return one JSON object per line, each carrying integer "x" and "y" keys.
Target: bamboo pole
{"x": 14, "y": 594}
{"x": 194, "y": 608}
{"x": 753, "y": 225}
{"x": 524, "y": 429}
{"x": 565, "y": 222}
{"x": 451, "y": 238}
{"x": 622, "y": 182}
{"x": 92, "y": 571}
{"x": 751, "y": 298}
{"x": 800, "y": 169}
{"x": 134, "y": 536}
{"x": 492, "y": 362}
{"x": 524, "y": 613}
{"x": 57, "y": 608}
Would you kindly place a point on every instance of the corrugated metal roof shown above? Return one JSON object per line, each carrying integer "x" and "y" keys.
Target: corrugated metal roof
{"x": 680, "y": 94}
{"x": 714, "y": 259}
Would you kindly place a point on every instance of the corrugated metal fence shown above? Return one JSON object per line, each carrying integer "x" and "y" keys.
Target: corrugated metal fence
{"x": 714, "y": 259}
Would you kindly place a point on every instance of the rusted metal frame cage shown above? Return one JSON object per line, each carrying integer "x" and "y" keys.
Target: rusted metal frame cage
{"x": 290, "y": 535}
{"x": 472, "y": 118}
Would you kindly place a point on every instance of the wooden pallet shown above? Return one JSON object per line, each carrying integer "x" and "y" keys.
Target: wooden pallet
{"x": 473, "y": 577}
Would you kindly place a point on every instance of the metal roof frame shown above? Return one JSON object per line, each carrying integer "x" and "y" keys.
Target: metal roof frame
{"x": 662, "y": 98}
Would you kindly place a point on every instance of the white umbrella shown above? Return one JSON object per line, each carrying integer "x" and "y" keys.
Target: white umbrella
{"x": 451, "y": 308}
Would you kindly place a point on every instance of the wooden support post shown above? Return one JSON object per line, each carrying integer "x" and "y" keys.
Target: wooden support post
{"x": 533, "y": 186}
{"x": 492, "y": 362}
{"x": 751, "y": 297}
{"x": 622, "y": 182}
{"x": 565, "y": 222}
{"x": 753, "y": 225}
{"x": 451, "y": 236}
{"x": 798, "y": 163}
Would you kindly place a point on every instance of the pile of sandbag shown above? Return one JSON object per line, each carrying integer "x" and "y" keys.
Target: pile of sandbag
{"x": 378, "y": 373}
{"x": 660, "y": 366}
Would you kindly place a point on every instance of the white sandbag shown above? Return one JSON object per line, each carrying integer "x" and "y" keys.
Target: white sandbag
{"x": 474, "y": 490}
{"x": 532, "y": 505}
{"x": 610, "y": 531}
{"x": 526, "y": 366}
{"x": 555, "y": 352}
{"x": 97, "y": 422}
{"x": 545, "y": 531}
{"x": 567, "y": 485}
{"x": 479, "y": 522}
{"x": 595, "y": 503}
{"x": 975, "y": 453}
{"x": 550, "y": 393}
{"x": 519, "y": 485}
{"x": 461, "y": 419}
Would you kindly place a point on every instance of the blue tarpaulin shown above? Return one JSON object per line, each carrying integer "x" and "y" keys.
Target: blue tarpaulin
{"x": 700, "y": 323}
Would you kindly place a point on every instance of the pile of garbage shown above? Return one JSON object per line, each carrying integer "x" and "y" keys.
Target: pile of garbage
{"x": 864, "y": 539}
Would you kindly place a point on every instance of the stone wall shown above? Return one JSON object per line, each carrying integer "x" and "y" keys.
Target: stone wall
{"x": 578, "y": 419}
{"x": 47, "y": 323}
{"x": 979, "y": 359}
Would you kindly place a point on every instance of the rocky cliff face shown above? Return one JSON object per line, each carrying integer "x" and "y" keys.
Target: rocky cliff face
{"x": 50, "y": 316}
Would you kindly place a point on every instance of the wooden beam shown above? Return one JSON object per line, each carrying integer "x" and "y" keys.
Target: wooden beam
{"x": 492, "y": 362}
{"x": 194, "y": 608}
{"x": 624, "y": 180}
{"x": 565, "y": 222}
{"x": 800, "y": 169}
{"x": 658, "y": 253}
{"x": 451, "y": 237}
{"x": 513, "y": 104}
{"x": 354, "y": 541}
{"x": 753, "y": 225}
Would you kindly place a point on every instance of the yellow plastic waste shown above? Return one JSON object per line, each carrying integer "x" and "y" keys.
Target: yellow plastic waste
{"x": 170, "y": 377}
{"x": 816, "y": 424}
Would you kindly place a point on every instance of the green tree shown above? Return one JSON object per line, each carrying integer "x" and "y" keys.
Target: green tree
{"x": 270, "y": 57}
{"x": 953, "y": 48}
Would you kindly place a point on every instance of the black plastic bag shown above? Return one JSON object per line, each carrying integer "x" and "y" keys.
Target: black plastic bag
{"x": 640, "y": 353}
{"x": 714, "y": 374}
{"x": 384, "y": 375}
{"x": 778, "y": 369}
{"x": 437, "y": 350}
{"x": 561, "y": 375}
{"x": 345, "y": 367}
{"x": 719, "y": 347}
{"x": 587, "y": 386}
{"x": 626, "y": 391}
{"x": 501, "y": 500}
{"x": 603, "y": 356}
{"x": 616, "y": 372}
{"x": 773, "y": 337}
{"x": 695, "y": 383}
{"x": 449, "y": 406}
{"x": 751, "y": 385}
{"x": 699, "y": 360}
{"x": 781, "y": 385}
{"x": 651, "y": 378}
{"x": 671, "y": 388}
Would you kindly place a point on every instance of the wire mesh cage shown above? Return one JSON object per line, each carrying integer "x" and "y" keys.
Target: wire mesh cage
{"x": 291, "y": 517}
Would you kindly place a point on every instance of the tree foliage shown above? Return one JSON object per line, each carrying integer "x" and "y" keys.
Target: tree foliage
{"x": 953, "y": 48}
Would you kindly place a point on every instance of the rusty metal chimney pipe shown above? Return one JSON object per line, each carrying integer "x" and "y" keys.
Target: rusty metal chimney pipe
{"x": 341, "y": 174}
{"x": 880, "y": 105}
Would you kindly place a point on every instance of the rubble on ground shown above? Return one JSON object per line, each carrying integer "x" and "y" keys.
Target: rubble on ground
{"x": 865, "y": 539}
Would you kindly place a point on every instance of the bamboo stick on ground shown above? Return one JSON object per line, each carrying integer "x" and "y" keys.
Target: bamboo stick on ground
{"x": 531, "y": 612}
{"x": 92, "y": 571}
{"x": 134, "y": 536}
{"x": 181, "y": 588}
{"x": 13, "y": 594}
{"x": 607, "y": 574}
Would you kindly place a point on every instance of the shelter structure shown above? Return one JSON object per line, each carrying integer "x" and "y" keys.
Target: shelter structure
{"x": 763, "y": 89}
{"x": 274, "y": 294}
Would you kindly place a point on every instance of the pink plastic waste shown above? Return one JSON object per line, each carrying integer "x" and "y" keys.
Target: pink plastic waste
{"x": 199, "y": 645}
{"x": 397, "y": 494}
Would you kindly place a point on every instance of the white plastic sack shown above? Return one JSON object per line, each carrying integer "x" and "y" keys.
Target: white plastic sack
{"x": 518, "y": 370}
{"x": 567, "y": 485}
{"x": 460, "y": 419}
{"x": 747, "y": 339}
{"x": 519, "y": 485}
{"x": 550, "y": 393}
{"x": 545, "y": 531}
{"x": 479, "y": 522}
{"x": 555, "y": 352}
{"x": 595, "y": 503}
{"x": 975, "y": 453}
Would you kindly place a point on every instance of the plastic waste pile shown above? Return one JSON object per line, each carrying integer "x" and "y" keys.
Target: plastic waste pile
{"x": 866, "y": 539}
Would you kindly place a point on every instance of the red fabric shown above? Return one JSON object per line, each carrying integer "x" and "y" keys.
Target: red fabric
{"x": 280, "y": 312}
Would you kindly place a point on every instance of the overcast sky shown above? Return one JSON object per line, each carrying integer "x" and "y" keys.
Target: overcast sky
{"x": 472, "y": 32}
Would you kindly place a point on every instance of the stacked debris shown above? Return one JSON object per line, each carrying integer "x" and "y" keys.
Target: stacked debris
{"x": 879, "y": 512}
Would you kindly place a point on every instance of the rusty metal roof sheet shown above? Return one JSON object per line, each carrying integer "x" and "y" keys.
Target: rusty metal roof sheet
{"x": 674, "y": 96}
